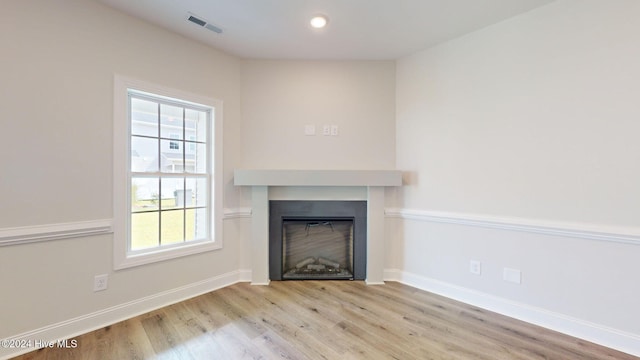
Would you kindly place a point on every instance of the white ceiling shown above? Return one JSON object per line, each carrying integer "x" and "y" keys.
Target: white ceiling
{"x": 357, "y": 29}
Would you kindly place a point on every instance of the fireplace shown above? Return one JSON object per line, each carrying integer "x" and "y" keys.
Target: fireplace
{"x": 317, "y": 248}
{"x": 314, "y": 184}
{"x": 317, "y": 240}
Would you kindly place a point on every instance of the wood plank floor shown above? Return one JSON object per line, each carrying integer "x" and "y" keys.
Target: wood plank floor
{"x": 324, "y": 320}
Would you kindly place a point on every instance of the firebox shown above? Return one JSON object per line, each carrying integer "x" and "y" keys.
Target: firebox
{"x": 317, "y": 248}
{"x": 317, "y": 240}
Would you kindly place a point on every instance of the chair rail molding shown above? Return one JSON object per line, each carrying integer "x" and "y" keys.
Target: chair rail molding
{"x": 49, "y": 232}
{"x": 619, "y": 234}
{"x": 237, "y": 213}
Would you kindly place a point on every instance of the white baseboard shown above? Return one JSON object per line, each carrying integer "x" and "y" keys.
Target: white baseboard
{"x": 99, "y": 319}
{"x": 372, "y": 283}
{"x": 244, "y": 275}
{"x": 612, "y": 338}
{"x": 261, "y": 283}
{"x": 602, "y": 335}
{"x": 392, "y": 275}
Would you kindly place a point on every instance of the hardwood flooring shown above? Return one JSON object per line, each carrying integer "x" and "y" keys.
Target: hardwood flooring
{"x": 324, "y": 320}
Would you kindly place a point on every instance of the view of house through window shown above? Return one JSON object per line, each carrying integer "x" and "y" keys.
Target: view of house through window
{"x": 170, "y": 172}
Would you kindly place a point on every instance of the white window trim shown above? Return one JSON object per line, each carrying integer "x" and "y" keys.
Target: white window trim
{"x": 121, "y": 156}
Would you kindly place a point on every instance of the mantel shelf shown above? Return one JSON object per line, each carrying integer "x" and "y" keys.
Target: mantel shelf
{"x": 273, "y": 177}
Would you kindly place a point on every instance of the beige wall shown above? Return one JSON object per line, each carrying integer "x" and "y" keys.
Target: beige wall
{"x": 57, "y": 68}
{"x": 57, "y": 117}
{"x": 533, "y": 118}
{"x": 280, "y": 97}
{"x": 532, "y": 122}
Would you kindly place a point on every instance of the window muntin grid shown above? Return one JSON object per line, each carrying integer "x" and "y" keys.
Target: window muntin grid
{"x": 170, "y": 172}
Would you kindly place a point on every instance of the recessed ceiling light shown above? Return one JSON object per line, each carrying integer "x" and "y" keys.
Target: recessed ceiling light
{"x": 319, "y": 21}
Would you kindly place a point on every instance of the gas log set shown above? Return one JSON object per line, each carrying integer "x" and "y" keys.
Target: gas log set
{"x": 312, "y": 265}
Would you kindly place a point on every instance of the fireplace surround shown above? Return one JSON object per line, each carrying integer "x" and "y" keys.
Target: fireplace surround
{"x": 265, "y": 185}
{"x": 311, "y": 239}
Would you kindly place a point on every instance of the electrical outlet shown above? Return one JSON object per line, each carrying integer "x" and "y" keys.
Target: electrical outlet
{"x": 326, "y": 130}
{"x": 334, "y": 130}
{"x": 475, "y": 267}
{"x": 100, "y": 282}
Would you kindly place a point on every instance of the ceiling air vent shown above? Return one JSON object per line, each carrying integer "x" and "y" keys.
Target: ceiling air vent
{"x": 200, "y": 22}
{"x": 195, "y": 20}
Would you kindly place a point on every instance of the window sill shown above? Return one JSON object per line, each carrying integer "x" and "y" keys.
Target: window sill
{"x": 133, "y": 260}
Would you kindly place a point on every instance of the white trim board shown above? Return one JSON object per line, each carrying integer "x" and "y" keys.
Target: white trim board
{"x": 605, "y": 336}
{"x": 236, "y": 213}
{"x": 284, "y": 177}
{"x": 101, "y": 318}
{"x": 619, "y": 234}
{"x": 60, "y": 231}
{"x": 48, "y": 232}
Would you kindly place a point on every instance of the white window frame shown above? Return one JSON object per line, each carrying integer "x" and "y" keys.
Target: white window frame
{"x": 123, "y": 257}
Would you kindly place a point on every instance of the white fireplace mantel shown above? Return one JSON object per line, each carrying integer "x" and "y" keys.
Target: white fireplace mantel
{"x": 268, "y": 177}
{"x": 261, "y": 179}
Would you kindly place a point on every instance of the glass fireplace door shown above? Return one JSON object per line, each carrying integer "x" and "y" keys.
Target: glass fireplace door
{"x": 317, "y": 249}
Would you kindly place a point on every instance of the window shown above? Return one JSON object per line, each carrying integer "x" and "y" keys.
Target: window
{"x": 174, "y": 145}
{"x": 166, "y": 183}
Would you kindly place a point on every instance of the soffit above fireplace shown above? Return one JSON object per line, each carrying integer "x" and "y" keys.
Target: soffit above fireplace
{"x": 274, "y": 177}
